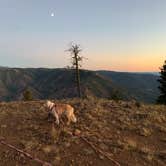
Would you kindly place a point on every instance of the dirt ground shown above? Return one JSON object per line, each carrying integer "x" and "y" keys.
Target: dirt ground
{"x": 107, "y": 133}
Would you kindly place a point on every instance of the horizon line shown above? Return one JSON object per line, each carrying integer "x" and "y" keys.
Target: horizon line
{"x": 124, "y": 71}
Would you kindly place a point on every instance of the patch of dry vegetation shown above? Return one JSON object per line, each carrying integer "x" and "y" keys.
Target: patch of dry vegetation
{"x": 129, "y": 132}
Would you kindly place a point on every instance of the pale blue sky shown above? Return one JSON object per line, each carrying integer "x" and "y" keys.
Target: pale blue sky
{"x": 127, "y": 35}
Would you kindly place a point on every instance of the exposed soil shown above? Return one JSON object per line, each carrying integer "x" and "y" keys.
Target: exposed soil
{"x": 130, "y": 133}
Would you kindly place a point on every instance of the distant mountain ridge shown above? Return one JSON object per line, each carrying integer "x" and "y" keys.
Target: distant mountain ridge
{"x": 140, "y": 86}
{"x": 60, "y": 83}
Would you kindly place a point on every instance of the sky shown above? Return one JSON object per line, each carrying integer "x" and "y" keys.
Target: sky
{"x": 120, "y": 35}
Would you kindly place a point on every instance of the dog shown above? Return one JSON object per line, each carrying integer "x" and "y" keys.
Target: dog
{"x": 57, "y": 110}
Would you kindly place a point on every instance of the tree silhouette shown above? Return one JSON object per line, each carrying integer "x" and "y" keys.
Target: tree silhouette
{"x": 76, "y": 64}
{"x": 27, "y": 95}
{"x": 162, "y": 98}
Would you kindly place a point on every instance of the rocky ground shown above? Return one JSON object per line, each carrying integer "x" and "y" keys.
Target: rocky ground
{"x": 107, "y": 133}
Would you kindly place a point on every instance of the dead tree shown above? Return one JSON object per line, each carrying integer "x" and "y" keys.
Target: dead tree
{"x": 76, "y": 64}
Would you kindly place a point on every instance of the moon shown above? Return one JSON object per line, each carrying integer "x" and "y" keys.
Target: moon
{"x": 52, "y": 14}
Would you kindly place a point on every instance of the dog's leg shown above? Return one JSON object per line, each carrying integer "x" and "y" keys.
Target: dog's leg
{"x": 49, "y": 116}
{"x": 68, "y": 115}
{"x": 57, "y": 118}
{"x": 68, "y": 121}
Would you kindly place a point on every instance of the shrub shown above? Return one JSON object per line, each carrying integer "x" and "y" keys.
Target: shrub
{"x": 27, "y": 95}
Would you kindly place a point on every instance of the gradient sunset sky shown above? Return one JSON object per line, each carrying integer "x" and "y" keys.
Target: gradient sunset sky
{"x": 121, "y": 35}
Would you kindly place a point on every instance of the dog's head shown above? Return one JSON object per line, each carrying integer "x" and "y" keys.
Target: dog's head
{"x": 48, "y": 104}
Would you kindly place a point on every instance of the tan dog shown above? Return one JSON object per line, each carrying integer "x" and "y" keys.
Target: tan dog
{"x": 57, "y": 110}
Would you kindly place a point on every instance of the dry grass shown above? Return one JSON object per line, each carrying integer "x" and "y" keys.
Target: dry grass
{"x": 132, "y": 133}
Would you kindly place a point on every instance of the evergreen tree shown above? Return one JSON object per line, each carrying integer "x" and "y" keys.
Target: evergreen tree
{"x": 162, "y": 87}
{"x": 116, "y": 95}
{"x": 27, "y": 95}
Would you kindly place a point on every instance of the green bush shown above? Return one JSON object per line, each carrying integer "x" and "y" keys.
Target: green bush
{"x": 27, "y": 95}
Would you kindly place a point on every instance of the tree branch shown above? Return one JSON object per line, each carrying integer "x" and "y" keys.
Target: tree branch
{"x": 43, "y": 163}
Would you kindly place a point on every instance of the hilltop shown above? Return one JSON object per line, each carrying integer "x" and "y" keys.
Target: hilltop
{"x": 130, "y": 133}
{"x": 140, "y": 86}
{"x": 60, "y": 83}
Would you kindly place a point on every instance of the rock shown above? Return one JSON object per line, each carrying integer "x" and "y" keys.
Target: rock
{"x": 101, "y": 157}
{"x": 145, "y": 132}
{"x": 149, "y": 157}
{"x": 115, "y": 150}
{"x": 67, "y": 144}
{"x": 66, "y": 133}
{"x": 57, "y": 160}
{"x": 118, "y": 132}
{"x": 77, "y": 142}
{"x": 47, "y": 149}
{"x": 30, "y": 144}
{"x": 55, "y": 149}
{"x": 3, "y": 126}
{"x": 145, "y": 150}
{"x": 159, "y": 119}
{"x": 113, "y": 122}
{"x": 88, "y": 151}
{"x": 103, "y": 146}
{"x": 130, "y": 144}
{"x": 77, "y": 132}
{"x": 70, "y": 133}
{"x": 19, "y": 128}
{"x": 36, "y": 127}
{"x": 162, "y": 129}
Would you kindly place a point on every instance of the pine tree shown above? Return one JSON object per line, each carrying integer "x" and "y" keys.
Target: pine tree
{"x": 162, "y": 87}
{"x": 27, "y": 95}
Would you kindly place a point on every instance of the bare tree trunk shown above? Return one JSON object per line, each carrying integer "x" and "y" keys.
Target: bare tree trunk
{"x": 78, "y": 76}
{"x": 76, "y": 59}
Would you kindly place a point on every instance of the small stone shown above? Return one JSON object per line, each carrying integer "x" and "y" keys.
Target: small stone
{"x": 66, "y": 133}
{"x": 145, "y": 132}
{"x": 118, "y": 132}
{"x": 30, "y": 144}
{"x": 91, "y": 162}
{"x": 69, "y": 133}
{"x": 58, "y": 158}
{"x": 47, "y": 149}
{"x": 88, "y": 151}
{"x": 36, "y": 127}
{"x": 149, "y": 157}
{"x": 103, "y": 146}
{"x": 22, "y": 155}
{"x": 3, "y": 126}
{"x": 67, "y": 144}
{"x": 101, "y": 157}
{"x": 113, "y": 122}
{"x": 77, "y": 142}
{"x": 77, "y": 132}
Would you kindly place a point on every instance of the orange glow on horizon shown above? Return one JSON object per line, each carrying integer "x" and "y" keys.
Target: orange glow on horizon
{"x": 129, "y": 64}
